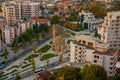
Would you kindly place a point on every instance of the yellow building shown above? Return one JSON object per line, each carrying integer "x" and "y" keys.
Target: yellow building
{"x": 9, "y": 13}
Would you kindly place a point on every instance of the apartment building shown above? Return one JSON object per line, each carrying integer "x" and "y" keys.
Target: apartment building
{"x": 110, "y": 29}
{"x": 9, "y": 33}
{"x": 13, "y": 11}
{"x": 87, "y": 50}
{"x": 9, "y": 13}
{"x": 89, "y": 21}
{"x": 22, "y": 26}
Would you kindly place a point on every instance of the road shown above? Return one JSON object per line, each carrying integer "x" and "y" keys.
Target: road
{"x": 51, "y": 68}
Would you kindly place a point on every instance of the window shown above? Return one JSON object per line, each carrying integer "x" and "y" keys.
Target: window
{"x": 95, "y": 61}
{"x": 94, "y": 56}
{"x": 97, "y": 57}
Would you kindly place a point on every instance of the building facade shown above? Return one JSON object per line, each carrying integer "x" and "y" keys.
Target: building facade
{"x": 9, "y": 33}
{"x": 22, "y": 26}
{"x": 86, "y": 49}
{"x": 9, "y": 13}
{"x": 13, "y": 11}
{"x": 111, "y": 29}
{"x": 89, "y": 21}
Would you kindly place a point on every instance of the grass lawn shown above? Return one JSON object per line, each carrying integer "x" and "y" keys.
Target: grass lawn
{"x": 1, "y": 73}
{"x": 68, "y": 42}
{"x": 16, "y": 66}
{"x": 44, "y": 49}
{"x": 72, "y": 33}
{"x": 15, "y": 70}
{"x": 26, "y": 65}
{"x": 32, "y": 56}
{"x": 47, "y": 56}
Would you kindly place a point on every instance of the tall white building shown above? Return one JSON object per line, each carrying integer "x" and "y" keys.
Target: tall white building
{"x": 9, "y": 33}
{"x": 22, "y": 26}
{"x": 110, "y": 30}
{"x": 87, "y": 50}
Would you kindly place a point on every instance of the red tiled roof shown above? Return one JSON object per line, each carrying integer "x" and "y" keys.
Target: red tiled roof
{"x": 118, "y": 53}
{"x": 40, "y": 20}
{"x": 44, "y": 75}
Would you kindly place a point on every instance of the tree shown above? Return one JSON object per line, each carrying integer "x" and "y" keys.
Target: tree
{"x": 36, "y": 28}
{"x": 33, "y": 47}
{"x": 17, "y": 76}
{"x": 55, "y": 19}
{"x": 32, "y": 62}
{"x": 23, "y": 43}
{"x": 96, "y": 9}
{"x": 99, "y": 72}
{"x": 30, "y": 31}
{"x": 67, "y": 24}
{"x": 5, "y": 53}
{"x": 87, "y": 73}
{"x": 37, "y": 36}
{"x": 30, "y": 40}
{"x": 68, "y": 73}
{"x": 94, "y": 72}
{"x": 60, "y": 58}
{"x": 15, "y": 46}
{"x": 73, "y": 26}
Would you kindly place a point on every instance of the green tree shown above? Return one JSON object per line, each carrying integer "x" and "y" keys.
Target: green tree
{"x": 23, "y": 43}
{"x": 87, "y": 73}
{"x": 99, "y": 72}
{"x": 33, "y": 47}
{"x": 30, "y": 40}
{"x": 60, "y": 58}
{"x": 96, "y": 9}
{"x": 17, "y": 76}
{"x": 32, "y": 62}
{"x": 36, "y": 28}
{"x": 15, "y": 46}
{"x": 68, "y": 73}
{"x": 37, "y": 36}
{"x": 55, "y": 19}
{"x": 5, "y": 53}
{"x": 67, "y": 24}
{"x": 30, "y": 31}
{"x": 94, "y": 72}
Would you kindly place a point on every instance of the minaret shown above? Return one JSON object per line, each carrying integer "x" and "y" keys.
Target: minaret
{"x": 54, "y": 33}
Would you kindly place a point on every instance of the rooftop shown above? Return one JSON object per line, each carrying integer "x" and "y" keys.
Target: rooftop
{"x": 109, "y": 52}
{"x": 40, "y": 20}
{"x": 78, "y": 43}
{"x": 114, "y": 13}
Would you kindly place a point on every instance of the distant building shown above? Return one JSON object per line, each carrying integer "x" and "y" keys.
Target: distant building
{"x": 89, "y": 21}
{"x": 9, "y": 33}
{"x": 13, "y": 11}
{"x": 2, "y": 22}
{"x": 110, "y": 29}
{"x": 22, "y": 26}
{"x": 40, "y": 21}
{"x": 86, "y": 49}
{"x": 9, "y": 13}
